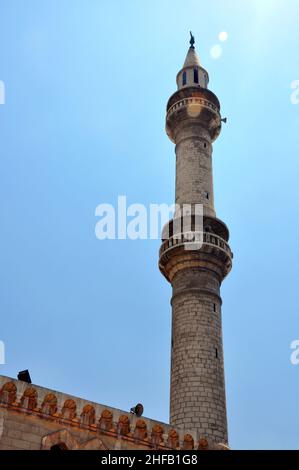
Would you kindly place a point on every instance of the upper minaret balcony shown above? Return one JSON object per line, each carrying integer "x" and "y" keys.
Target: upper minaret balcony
{"x": 193, "y": 104}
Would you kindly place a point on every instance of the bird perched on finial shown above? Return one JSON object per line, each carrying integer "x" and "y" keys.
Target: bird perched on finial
{"x": 192, "y": 40}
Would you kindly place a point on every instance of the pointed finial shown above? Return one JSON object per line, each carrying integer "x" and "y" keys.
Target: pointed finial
{"x": 192, "y": 40}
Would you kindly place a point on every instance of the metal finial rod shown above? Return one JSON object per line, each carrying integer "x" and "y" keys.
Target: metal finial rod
{"x": 192, "y": 40}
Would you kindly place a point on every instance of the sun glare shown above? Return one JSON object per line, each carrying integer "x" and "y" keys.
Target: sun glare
{"x": 223, "y": 36}
{"x": 216, "y": 51}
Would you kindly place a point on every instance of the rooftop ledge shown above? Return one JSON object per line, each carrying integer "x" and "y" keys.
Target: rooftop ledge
{"x": 67, "y": 410}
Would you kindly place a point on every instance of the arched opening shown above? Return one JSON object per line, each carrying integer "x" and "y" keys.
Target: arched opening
{"x": 8, "y": 393}
{"x": 59, "y": 446}
{"x": 49, "y": 405}
{"x": 69, "y": 409}
{"x": 184, "y": 78}
{"x": 195, "y": 76}
{"x": 59, "y": 440}
{"x": 29, "y": 398}
{"x": 88, "y": 415}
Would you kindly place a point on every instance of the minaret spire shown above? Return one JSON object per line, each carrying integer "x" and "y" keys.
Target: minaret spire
{"x": 197, "y": 391}
{"x": 192, "y": 73}
{"x": 192, "y": 40}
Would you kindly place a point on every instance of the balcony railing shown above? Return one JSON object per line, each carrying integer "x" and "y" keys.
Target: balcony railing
{"x": 196, "y": 238}
{"x": 190, "y": 101}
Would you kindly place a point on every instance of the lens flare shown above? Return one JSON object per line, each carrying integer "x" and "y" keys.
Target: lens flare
{"x": 223, "y": 36}
{"x": 194, "y": 109}
{"x": 216, "y": 51}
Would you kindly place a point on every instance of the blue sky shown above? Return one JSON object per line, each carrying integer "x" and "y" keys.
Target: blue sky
{"x": 86, "y": 88}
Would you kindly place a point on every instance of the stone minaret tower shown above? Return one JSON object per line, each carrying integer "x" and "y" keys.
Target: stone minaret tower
{"x": 197, "y": 394}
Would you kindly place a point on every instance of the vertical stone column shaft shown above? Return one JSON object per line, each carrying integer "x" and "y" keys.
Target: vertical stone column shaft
{"x": 197, "y": 398}
{"x": 194, "y": 176}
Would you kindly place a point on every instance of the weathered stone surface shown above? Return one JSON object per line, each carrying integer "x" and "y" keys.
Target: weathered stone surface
{"x": 74, "y": 423}
{"x": 197, "y": 395}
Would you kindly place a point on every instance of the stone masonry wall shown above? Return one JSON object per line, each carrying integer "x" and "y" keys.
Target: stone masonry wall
{"x": 197, "y": 371}
{"x": 194, "y": 179}
{"x": 33, "y": 417}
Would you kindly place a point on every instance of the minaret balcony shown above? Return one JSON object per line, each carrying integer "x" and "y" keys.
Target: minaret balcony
{"x": 194, "y": 101}
{"x": 194, "y": 249}
{"x": 194, "y": 105}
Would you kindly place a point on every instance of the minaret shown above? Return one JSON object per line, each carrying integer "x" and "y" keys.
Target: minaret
{"x": 197, "y": 392}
